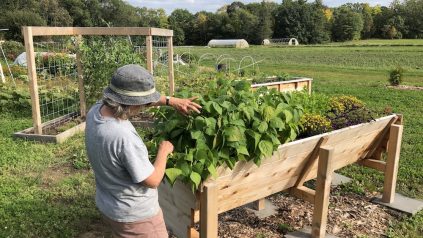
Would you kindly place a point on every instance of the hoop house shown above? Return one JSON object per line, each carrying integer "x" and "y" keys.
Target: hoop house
{"x": 235, "y": 43}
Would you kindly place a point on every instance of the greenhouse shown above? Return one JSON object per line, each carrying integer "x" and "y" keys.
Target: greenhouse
{"x": 235, "y": 43}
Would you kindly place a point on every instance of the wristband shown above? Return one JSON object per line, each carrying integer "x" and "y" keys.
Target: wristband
{"x": 167, "y": 100}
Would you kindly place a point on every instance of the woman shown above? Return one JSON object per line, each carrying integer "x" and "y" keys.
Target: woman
{"x": 126, "y": 181}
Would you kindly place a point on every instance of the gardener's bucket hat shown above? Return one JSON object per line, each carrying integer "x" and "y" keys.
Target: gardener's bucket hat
{"x": 132, "y": 85}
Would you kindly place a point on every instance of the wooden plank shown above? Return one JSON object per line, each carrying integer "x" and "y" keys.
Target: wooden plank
{"x": 310, "y": 161}
{"x": 61, "y": 31}
{"x": 177, "y": 203}
{"x": 52, "y": 31}
{"x": 321, "y": 202}
{"x": 62, "y": 137}
{"x": 161, "y": 32}
{"x": 392, "y": 162}
{"x": 302, "y": 192}
{"x": 81, "y": 89}
{"x": 149, "y": 46}
{"x": 283, "y": 176}
{"x": 208, "y": 212}
{"x": 374, "y": 164}
{"x": 33, "y": 84}
{"x": 378, "y": 143}
{"x": 171, "y": 75}
{"x": 259, "y": 204}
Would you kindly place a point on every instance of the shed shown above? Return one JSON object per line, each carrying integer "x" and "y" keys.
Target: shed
{"x": 233, "y": 43}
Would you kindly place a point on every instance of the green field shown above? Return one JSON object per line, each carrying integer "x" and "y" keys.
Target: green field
{"x": 46, "y": 191}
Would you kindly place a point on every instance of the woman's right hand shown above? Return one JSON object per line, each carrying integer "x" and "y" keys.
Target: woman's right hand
{"x": 165, "y": 147}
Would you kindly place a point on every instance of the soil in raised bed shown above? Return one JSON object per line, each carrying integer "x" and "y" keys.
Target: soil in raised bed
{"x": 61, "y": 126}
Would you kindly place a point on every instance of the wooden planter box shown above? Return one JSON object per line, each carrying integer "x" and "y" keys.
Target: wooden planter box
{"x": 28, "y": 134}
{"x": 296, "y": 84}
{"x": 288, "y": 168}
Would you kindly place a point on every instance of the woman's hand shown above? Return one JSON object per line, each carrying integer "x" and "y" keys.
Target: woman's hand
{"x": 165, "y": 147}
{"x": 184, "y": 105}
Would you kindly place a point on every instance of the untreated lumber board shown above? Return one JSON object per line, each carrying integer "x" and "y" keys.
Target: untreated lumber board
{"x": 392, "y": 162}
{"x": 321, "y": 200}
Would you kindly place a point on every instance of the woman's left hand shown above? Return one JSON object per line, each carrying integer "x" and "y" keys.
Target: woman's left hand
{"x": 185, "y": 105}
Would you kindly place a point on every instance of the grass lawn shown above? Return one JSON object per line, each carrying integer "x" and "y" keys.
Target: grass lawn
{"x": 47, "y": 191}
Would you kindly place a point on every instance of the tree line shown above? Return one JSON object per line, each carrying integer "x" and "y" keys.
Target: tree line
{"x": 309, "y": 22}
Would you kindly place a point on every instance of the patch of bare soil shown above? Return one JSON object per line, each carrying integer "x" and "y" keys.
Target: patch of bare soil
{"x": 56, "y": 173}
{"x": 405, "y": 87}
{"x": 350, "y": 215}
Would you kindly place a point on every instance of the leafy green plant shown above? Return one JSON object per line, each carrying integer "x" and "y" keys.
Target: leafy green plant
{"x": 236, "y": 124}
{"x": 56, "y": 63}
{"x": 12, "y": 99}
{"x": 100, "y": 57}
{"x": 344, "y": 103}
{"x": 316, "y": 103}
{"x": 12, "y": 49}
{"x": 285, "y": 228}
{"x": 350, "y": 118}
{"x": 395, "y": 76}
{"x": 314, "y": 124}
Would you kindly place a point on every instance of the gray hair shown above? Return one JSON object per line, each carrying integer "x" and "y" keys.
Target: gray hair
{"x": 120, "y": 111}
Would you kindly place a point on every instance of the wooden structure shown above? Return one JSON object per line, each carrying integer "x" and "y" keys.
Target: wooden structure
{"x": 296, "y": 84}
{"x": 287, "y": 169}
{"x": 29, "y": 32}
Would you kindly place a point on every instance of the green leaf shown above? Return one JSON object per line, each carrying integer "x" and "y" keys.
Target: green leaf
{"x": 197, "y": 135}
{"x": 217, "y": 108}
{"x": 255, "y": 136}
{"x": 170, "y": 125}
{"x": 288, "y": 115}
{"x": 212, "y": 170}
{"x": 268, "y": 113}
{"x": 176, "y": 133}
{"x": 233, "y": 134}
{"x": 266, "y": 147}
{"x": 199, "y": 123}
{"x": 196, "y": 178}
{"x": 172, "y": 174}
{"x": 277, "y": 123}
{"x": 262, "y": 127}
{"x": 238, "y": 122}
{"x": 242, "y": 150}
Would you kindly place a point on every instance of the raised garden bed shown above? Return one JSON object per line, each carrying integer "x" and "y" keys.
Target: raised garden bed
{"x": 287, "y": 169}
{"x": 294, "y": 84}
{"x": 57, "y": 130}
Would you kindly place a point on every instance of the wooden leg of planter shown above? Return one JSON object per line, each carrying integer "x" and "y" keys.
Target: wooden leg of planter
{"x": 391, "y": 170}
{"x": 208, "y": 212}
{"x": 321, "y": 200}
{"x": 259, "y": 204}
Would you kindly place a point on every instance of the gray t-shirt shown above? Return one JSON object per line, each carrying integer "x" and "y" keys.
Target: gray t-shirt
{"x": 120, "y": 162}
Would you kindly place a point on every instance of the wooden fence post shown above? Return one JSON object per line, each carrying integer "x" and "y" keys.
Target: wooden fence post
{"x": 81, "y": 89}
{"x": 208, "y": 212}
{"x": 321, "y": 199}
{"x": 32, "y": 74}
{"x": 171, "y": 75}
{"x": 149, "y": 46}
{"x": 392, "y": 162}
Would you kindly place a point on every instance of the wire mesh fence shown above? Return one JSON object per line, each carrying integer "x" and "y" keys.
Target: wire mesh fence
{"x": 57, "y": 76}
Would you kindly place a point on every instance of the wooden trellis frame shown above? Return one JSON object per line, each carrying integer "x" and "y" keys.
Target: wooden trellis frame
{"x": 30, "y": 31}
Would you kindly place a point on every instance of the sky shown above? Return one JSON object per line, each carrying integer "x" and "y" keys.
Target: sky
{"x": 211, "y": 6}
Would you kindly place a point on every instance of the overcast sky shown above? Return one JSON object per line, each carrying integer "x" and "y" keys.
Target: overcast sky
{"x": 212, "y": 5}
